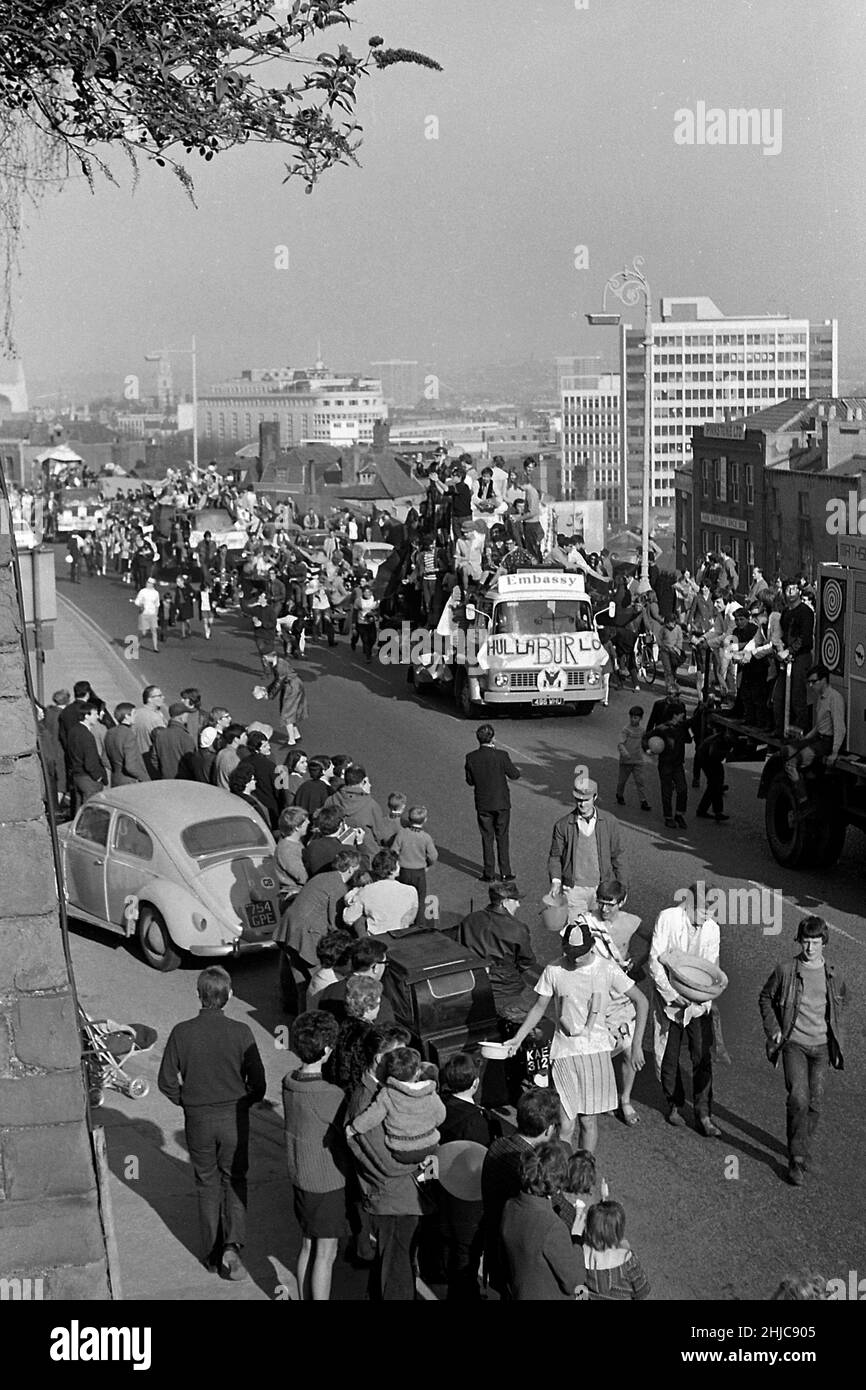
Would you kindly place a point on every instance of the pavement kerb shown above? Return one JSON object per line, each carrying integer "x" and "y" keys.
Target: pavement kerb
{"x": 101, "y": 645}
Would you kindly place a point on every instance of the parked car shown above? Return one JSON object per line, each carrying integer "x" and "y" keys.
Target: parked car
{"x": 186, "y": 868}
{"x": 369, "y": 555}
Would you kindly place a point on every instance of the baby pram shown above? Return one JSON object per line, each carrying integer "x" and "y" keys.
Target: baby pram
{"x": 105, "y": 1048}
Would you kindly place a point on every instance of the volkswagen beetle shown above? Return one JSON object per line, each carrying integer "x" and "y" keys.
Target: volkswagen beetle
{"x": 186, "y": 868}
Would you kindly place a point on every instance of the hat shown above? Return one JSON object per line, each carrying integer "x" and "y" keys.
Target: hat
{"x": 257, "y": 728}
{"x": 577, "y": 937}
{"x": 584, "y": 787}
{"x": 460, "y": 1164}
{"x": 177, "y": 709}
{"x": 208, "y": 737}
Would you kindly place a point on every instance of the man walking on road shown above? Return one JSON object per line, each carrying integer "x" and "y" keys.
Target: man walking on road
{"x": 585, "y": 848}
{"x": 147, "y": 601}
{"x": 488, "y": 772}
{"x": 213, "y": 1070}
{"x": 691, "y": 928}
{"x": 802, "y": 1007}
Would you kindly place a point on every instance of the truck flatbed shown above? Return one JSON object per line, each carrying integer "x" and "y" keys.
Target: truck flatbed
{"x": 854, "y": 766}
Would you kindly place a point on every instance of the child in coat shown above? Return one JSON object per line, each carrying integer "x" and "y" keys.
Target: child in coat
{"x": 407, "y": 1106}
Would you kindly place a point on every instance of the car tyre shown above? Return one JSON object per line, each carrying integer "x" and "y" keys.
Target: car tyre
{"x": 154, "y": 940}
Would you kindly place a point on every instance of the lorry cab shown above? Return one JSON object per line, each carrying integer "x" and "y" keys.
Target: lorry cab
{"x": 532, "y": 640}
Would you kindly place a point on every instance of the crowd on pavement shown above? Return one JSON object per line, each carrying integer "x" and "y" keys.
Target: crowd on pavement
{"x": 385, "y": 1150}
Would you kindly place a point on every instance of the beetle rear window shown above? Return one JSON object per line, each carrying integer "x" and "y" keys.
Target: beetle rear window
{"x": 229, "y": 832}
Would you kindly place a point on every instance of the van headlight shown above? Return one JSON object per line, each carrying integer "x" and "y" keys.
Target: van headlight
{"x": 593, "y": 678}
{"x": 500, "y": 681}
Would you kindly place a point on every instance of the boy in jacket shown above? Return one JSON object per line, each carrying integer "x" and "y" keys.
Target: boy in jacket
{"x": 802, "y": 1006}
{"x": 672, "y": 775}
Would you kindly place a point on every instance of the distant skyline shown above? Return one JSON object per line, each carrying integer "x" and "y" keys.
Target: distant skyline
{"x": 556, "y": 131}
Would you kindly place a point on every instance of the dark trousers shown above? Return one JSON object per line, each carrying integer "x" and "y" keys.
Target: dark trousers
{"x": 461, "y": 1232}
{"x": 494, "y": 831}
{"x": 533, "y": 534}
{"x": 417, "y": 879}
{"x": 673, "y": 779}
{"x": 805, "y": 1074}
{"x": 83, "y": 787}
{"x": 392, "y": 1279}
{"x": 714, "y": 796}
{"x": 217, "y": 1137}
{"x": 699, "y": 1033}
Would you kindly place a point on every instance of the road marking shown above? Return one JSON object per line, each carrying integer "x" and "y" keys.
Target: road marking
{"x": 518, "y": 753}
{"x": 798, "y": 907}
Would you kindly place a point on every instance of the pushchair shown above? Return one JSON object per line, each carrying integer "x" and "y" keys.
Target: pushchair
{"x": 105, "y": 1048}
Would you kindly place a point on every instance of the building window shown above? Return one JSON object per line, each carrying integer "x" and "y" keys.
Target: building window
{"x": 705, "y": 477}
{"x": 735, "y": 481}
{"x": 750, "y": 554}
{"x": 803, "y": 503}
{"x": 750, "y": 484}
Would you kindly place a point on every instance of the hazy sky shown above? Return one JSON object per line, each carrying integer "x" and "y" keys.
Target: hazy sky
{"x": 556, "y": 129}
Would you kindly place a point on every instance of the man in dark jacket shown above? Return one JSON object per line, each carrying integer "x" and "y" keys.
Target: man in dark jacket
{"x": 82, "y": 695}
{"x": 122, "y": 750}
{"x": 53, "y": 751}
{"x": 802, "y": 1006}
{"x": 170, "y": 743}
{"x": 85, "y": 771}
{"x": 258, "y": 760}
{"x": 213, "y": 1070}
{"x": 586, "y": 848}
{"x": 360, "y": 810}
{"x": 313, "y": 912}
{"x": 199, "y": 765}
{"x": 488, "y": 772}
{"x": 503, "y": 941}
{"x": 675, "y": 734}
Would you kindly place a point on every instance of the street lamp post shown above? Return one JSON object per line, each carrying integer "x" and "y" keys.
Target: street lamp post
{"x": 628, "y": 286}
{"x": 191, "y": 353}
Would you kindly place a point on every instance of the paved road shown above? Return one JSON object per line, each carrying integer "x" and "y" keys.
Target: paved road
{"x": 711, "y": 1220}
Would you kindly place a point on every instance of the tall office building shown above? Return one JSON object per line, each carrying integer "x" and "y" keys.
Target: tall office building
{"x": 708, "y": 366}
{"x": 309, "y": 405}
{"x": 401, "y": 382}
{"x": 591, "y": 440}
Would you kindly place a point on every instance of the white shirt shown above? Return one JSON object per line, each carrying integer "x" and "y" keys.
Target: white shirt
{"x": 674, "y": 932}
{"x": 148, "y": 600}
{"x": 386, "y": 905}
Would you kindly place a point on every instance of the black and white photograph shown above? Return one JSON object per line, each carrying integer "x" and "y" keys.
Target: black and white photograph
{"x": 432, "y": 669}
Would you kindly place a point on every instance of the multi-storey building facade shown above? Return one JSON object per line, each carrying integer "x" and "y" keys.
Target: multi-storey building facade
{"x": 314, "y": 405}
{"x": 708, "y": 366}
{"x": 591, "y": 452}
{"x": 761, "y": 487}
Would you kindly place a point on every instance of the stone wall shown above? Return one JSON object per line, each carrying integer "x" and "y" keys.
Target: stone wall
{"x": 50, "y": 1220}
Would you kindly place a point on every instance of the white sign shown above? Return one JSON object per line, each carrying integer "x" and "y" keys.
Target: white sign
{"x": 538, "y": 581}
{"x": 185, "y": 416}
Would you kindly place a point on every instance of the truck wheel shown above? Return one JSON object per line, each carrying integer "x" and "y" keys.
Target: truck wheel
{"x": 827, "y": 842}
{"x": 789, "y": 835}
{"x": 154, "y": 940}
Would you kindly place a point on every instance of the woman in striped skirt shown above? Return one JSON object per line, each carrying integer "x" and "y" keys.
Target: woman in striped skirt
{"x": 582, "y": 984}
